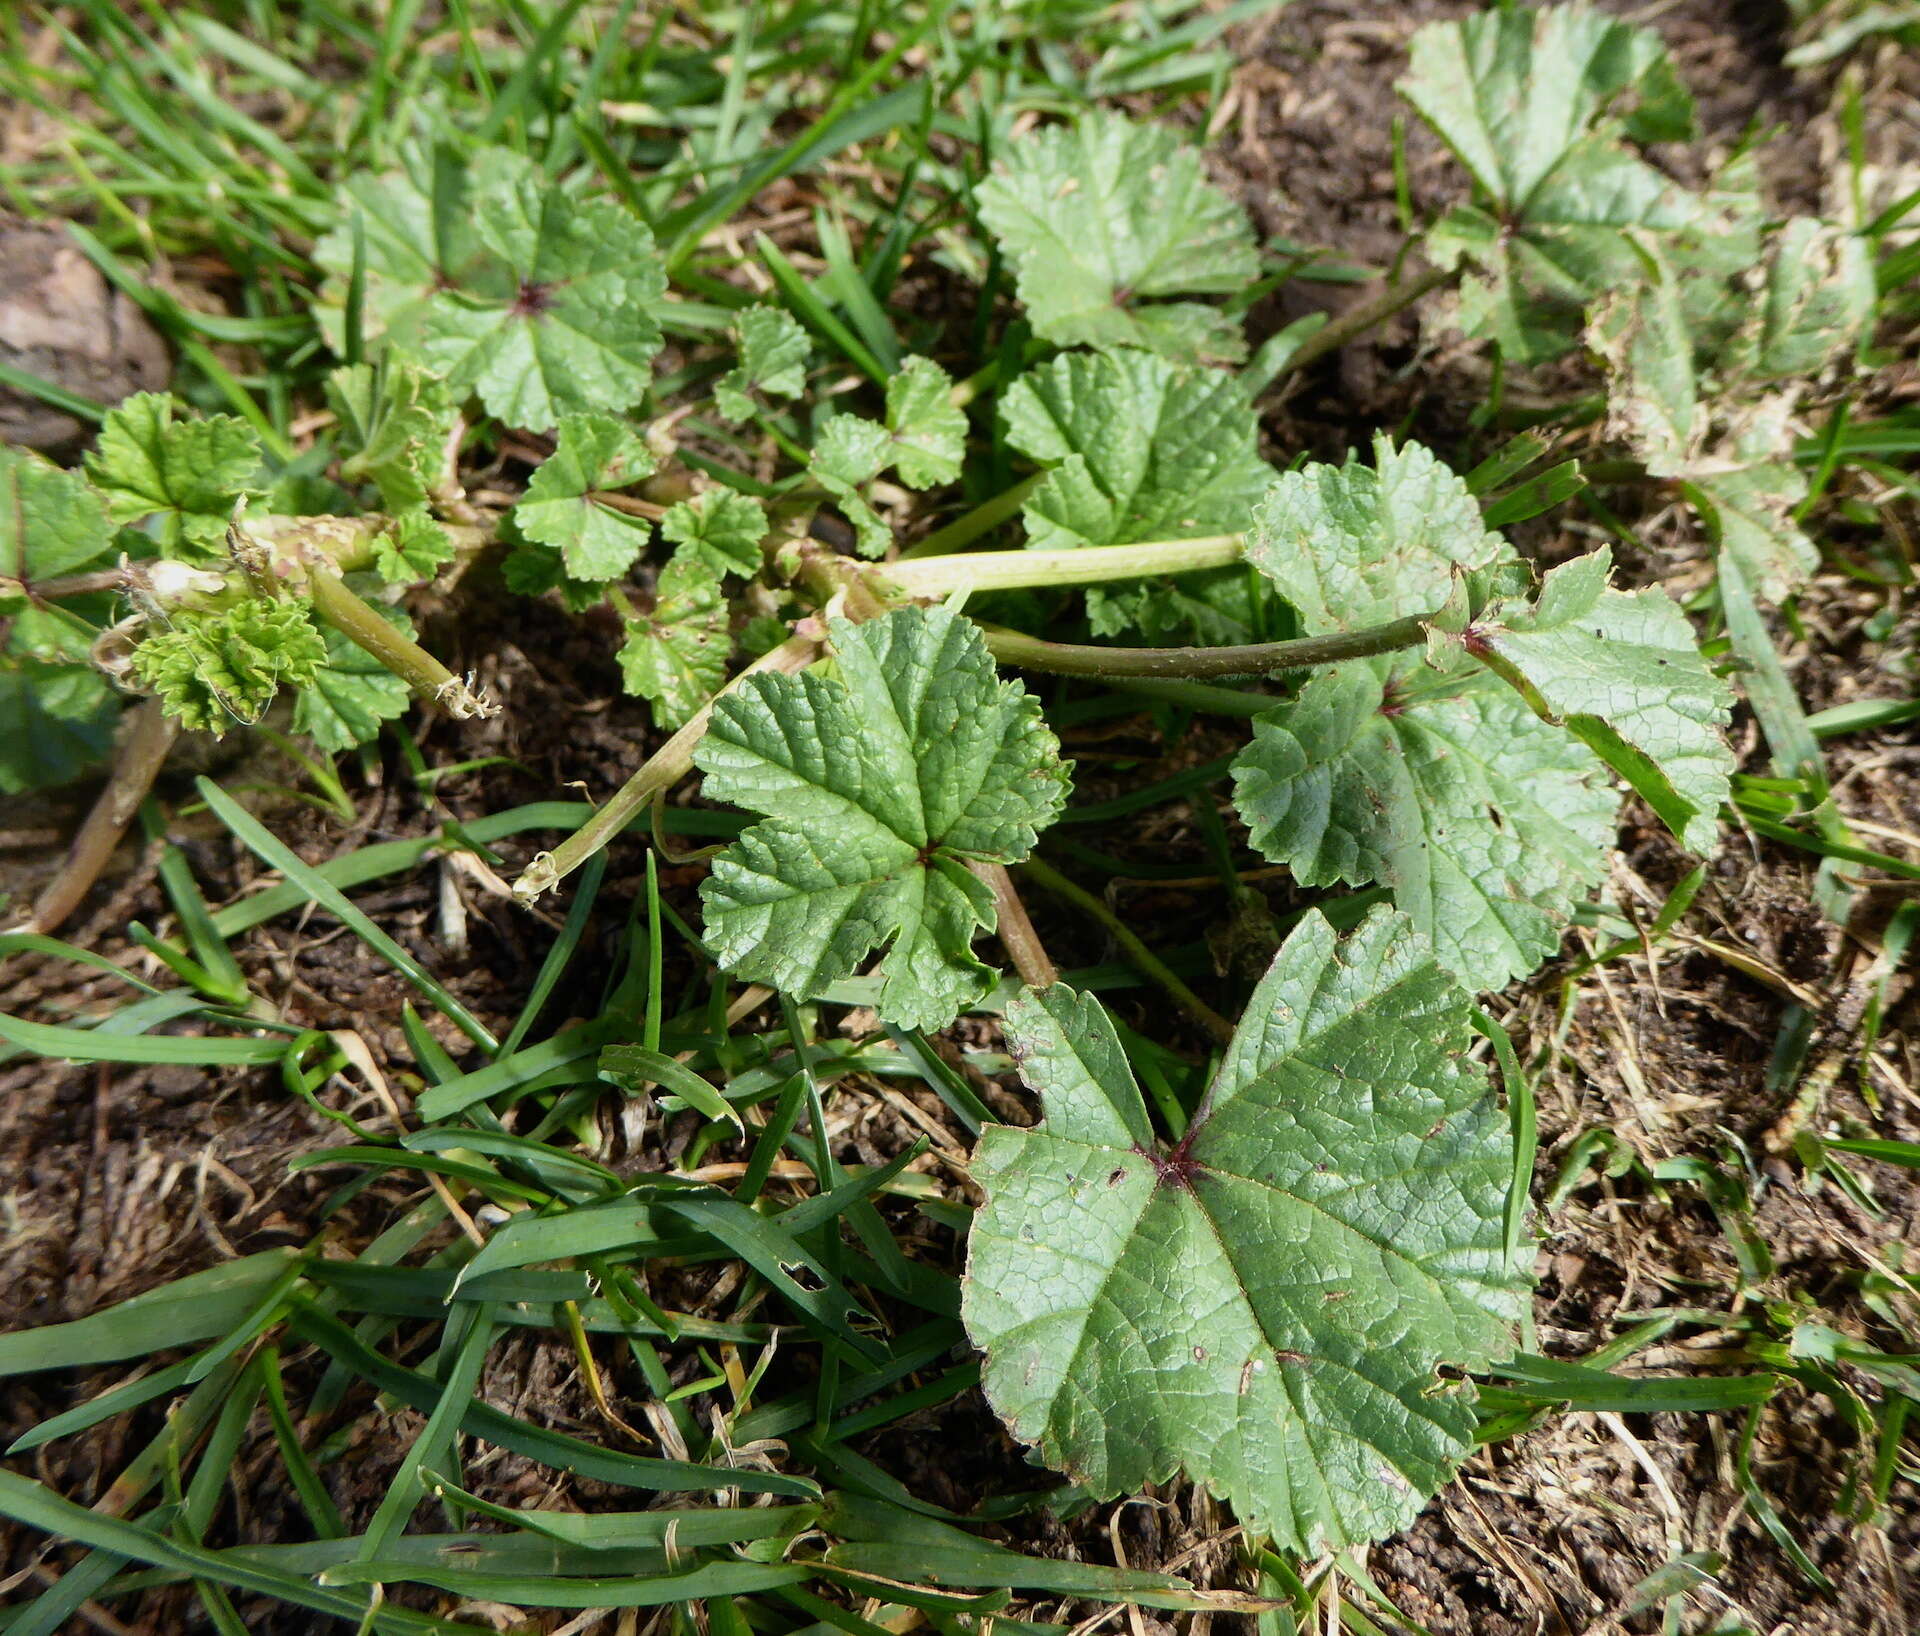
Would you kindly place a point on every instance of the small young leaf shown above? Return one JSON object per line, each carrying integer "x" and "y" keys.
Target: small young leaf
{"x": 1140, "y": 449}
{"x": 1355, "y": 546}
{"x": 761, "y": 635}
{"x": 1622, "y": 670}
{"x": 924, "y": 438}
{"x": 848, "y": 452}
{"x": 721, "y": 528}
{"x": 564, "y": 316}
{"x": 880, "y": 782}
{"x": 929, "y": 431}
{"x": 186, "y": 473}
{"x": 56, "y": 721}
{"x": 676, "y": 655}
{"x": 594, "y": 453}
{"x": 1487, "y": 824}
{"x": 414, "y": 548}
{"x": 1101, "y": 218}
{"x": 1266, "y": 1304}
{"x": 851, "y": 450}
{"x": 773, "y": 361}
{"x": 344, "y": 702}
{"x": 217, "y": 668}
{"x": 51, "y": 523}
{"x": 395, "y": 422}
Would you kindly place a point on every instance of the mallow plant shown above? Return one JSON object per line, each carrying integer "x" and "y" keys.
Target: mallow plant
{"x": 1284, "y": 1291}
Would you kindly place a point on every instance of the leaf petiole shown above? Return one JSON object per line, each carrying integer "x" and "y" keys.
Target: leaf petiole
{"x": 1254, "y": 659}
{"x": 1084, "y": 565}
{"x": 1395, "y": 298}
{"x": 1049, "y": 879}
{"x": 354, "y": 619}
{"x": 660, "y": 771}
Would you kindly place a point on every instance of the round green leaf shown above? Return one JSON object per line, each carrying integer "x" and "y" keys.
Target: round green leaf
{"x": 1267, "y": 1304}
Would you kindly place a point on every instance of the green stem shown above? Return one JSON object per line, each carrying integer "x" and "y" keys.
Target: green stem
{"x": 1256, "y": 659}
{"x": 1049, "y": 879}
{"x": 968, "y": 527}
{"x": 658, "y": 773}
{"x": 1089, "y": 565}
{"x": 362, "y": 626}
{"x": 1358, "y": 320}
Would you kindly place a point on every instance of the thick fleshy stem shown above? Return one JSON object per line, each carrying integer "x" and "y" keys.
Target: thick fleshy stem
{"x": 135, "y": 766}
{"x": 1254, "y": 659}
{"x": 1017, "y": 936}
{"x": 363, "y": 626}
{"x": 1088, "y": 565}
{"x": 660, "y": 772}
{"x": 1143, "y": 959}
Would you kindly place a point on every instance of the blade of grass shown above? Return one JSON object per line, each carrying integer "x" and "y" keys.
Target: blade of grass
{"x": 255, "y": 836}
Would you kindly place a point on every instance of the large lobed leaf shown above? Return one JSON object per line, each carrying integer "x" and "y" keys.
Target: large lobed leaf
{"x": 1520, "y": 94}
{"x": 56, "y": 711}
{"x": 1487, "y": 824}
{"x": 1102, "y": 219}
{"x": 1266, "y": 1304}
{"x": 56, "y": 721}
{"x": 506, "y": 284}
{"x": 1353, "y": 546}
{"x": 418, "y": 238}
{"x": 51, "y": 522}
{"x": 1141, "y": 449}
{"x": 881, "y": 782}
{"x": 1623, "y": 672}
